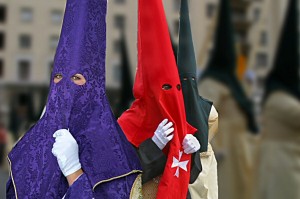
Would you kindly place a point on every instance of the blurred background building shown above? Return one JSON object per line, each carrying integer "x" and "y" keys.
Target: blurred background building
{"x": 28, "y": 39}
{"x": 267, "y": 18}
{"x": 29, "y": 33}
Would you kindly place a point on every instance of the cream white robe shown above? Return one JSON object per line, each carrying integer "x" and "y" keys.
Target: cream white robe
{"x": 234, "y": 146}
{"x": 279, "y": 156}
{"x": 206, "y": 185}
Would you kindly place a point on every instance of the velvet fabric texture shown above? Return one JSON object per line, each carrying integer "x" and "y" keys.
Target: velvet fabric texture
{"x": 104, "y": 152}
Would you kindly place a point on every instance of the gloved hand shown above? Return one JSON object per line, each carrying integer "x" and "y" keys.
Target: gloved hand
{"x": 163, "y": 134}
{"x": 65, "y": 149}
{"x": 190, "y": 144}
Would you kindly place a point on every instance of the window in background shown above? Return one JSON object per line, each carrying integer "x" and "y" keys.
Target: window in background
{"x": 54, "y": 41}
{"x": 1, "y": 68}
{"x": 261, "y": 60}
{"x": 24, "y": 69}
{"x": 119, "y": 21}
{"x": 116, "y": 46}
{"x": 210, "y": 10}
{"x": 2, "y": 13}
{"x": 238, "y": 16}
{"x": 256, "y": 14}
{"x": 263, "y": 40}
{"x": 239, "y": 38}
{"x": 26, "y": 15}
{"x": 56, "y": 16}
{"x": 50, "y": 66}
{"x": 176, "y": 5}
{"x": 117, "y": 72}
{"x": 120, "y": 1}
{"x": 260, "y": 82}
{"x": 2, "y": 40}
{"x": 25, "y": 41}
{"x": 176, "y": 27}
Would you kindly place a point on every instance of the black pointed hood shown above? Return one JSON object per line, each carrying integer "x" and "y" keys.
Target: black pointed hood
{"x": 222, "y": 63}
{"x": 197, "y": 109}
{"x": 223, "y": 57}
{"x": 285, "y": 74}
{"x": 186, "y": 59}
{"x": 126, "y": 88}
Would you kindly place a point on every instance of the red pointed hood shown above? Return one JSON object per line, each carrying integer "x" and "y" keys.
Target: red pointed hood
{"x": 156, "y": 69}
{"x": 158, "y": 95}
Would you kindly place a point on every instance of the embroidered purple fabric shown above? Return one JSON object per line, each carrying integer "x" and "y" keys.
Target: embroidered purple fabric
{"x": 104, "y": 151}
{"x": 119, "y": 189}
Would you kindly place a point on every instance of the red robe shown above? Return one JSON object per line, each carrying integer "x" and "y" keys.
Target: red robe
{"x": 156, "y": 69}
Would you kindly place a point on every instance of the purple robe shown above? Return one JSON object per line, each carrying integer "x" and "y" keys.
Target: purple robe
{"x": 109, "y": 162}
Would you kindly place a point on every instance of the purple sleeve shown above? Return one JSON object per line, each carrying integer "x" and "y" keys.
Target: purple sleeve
{"x": 80, "y": 189}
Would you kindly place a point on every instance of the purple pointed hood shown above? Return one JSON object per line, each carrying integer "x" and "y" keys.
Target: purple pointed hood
{"x": 104, "y": 151}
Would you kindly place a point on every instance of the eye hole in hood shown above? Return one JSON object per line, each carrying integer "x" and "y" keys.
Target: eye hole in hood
{"x": 166, "y": 87}
{"x": 57, "y": 78}
{"x": 78, "y": 79}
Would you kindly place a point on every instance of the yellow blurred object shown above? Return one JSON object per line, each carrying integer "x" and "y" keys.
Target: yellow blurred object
{"x": 241, "y": 66}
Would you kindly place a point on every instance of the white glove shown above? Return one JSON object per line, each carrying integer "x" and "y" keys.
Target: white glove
{"x": 65, "y": 149}
{"x": 190, "y": 144}
{"x": 163, "y": 134}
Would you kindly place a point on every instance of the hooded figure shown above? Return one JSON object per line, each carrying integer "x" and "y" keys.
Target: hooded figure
{"x": 279, "y": 160}
{"x": 109, "y": 162}
{"x": 220, "y": 84}
{"x": 285, "y": 73}
{"x": 126, "y": 92}
{"x": 158, "y": 95}
{"x": 199, "y": 112}
{"x": 223, "y": 63}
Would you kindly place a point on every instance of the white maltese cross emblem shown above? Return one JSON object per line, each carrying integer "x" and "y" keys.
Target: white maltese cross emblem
{"x": 178, "y": 164}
